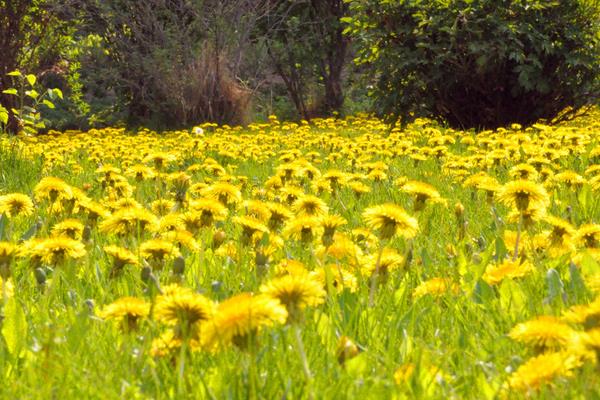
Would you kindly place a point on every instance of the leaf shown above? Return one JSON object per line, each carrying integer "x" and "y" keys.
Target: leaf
{"x": 10, "y": 91}
{"x": 31, "y": 79}
{"x": 588, "y": 265}
{"x": 48, "y": 104}
{"x": 483, "y": 292}
{"x": 556, "y": 288}
{"x": 14, "y": 73}
{"x": 14, "y": 328}
{"x": 512, "y": 297}
{"x": 4, "y": 117}
{"x": 32, "y": 93}
{"x": 357, "y": 366}
{"x": 31, "y": 231}
{"x": 3, "y": 220}
{"x": 58, "y": 93}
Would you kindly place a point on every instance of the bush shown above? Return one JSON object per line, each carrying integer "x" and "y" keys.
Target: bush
{"x": 480, "y": 63}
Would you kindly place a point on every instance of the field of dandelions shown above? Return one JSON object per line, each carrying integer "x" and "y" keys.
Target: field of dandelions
{"x": 337, "y": 259}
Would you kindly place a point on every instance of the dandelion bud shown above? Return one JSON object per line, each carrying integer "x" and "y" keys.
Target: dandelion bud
{"x": 218, "y": 238}
{"x": 179, "y": 266}
{"x": 346, "y": 349}
{"x": 459, "y": 211}
{"x": 40, "y": 276}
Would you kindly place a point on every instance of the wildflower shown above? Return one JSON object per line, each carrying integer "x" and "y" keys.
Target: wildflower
{"x": 507, "y": 269}
{"x": 422, "y": 192}
{"x": 128, "y": 220}
{"x": 295, "y": 292}
{"x": 435, "y": 287}
{"x": 224, "y": 192}
{"x": 8, "y": 251}
{"x": 588, "y": 236}
{"x": 250, "y": 226}
{"x": 158, "y": 251}
{"x": 523, "y": 194}
{"x": 15, "y": 204}
{"x": 390, "y": 219}
{"x": 543, "y": 333}
{"x": 56, "y": 250}
{"x": 52, "y": 188}
{"x": 121, "y": 257}
{"x": 183, "y": 309}
{"x": 241, "y": 317}
{"x": 309, "y": 205}
{"x": 128, "y": 310}
{"x": 70, "y": 228}
{"x": 304, "y": 229}
{"x": 541, "y": 370}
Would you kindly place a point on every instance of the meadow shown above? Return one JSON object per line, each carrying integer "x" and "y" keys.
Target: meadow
{"x": 336, "y": 259}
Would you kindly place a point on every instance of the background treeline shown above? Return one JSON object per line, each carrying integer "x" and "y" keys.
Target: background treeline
{"x": 175, "y": 63}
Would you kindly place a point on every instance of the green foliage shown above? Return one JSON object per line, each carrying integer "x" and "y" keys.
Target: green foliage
{"x": 29, "y": 100}
{"x": 479, "y": 63}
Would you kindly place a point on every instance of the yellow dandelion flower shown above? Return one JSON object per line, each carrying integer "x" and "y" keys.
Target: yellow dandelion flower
{"x": 588, "y": 236}
{"x": 183, "y": 309}
{"x": 128, "y": 220}
{"x": 390, "y": 219}
{"x": 435, "y": 287}
{"x": 121, "y": 257}
{"x": 543, "y": 333}
{"x": 72, "y": 228}
{"x": 422, "y": 193}
{"x": 242, "y": 316}
{"x": 309, "y": 205}
{"x": 295, "y": 292}
{"x": 304, "y": 229}
{"x": 15, "y": 204}
{"x": 542, "y": 370}
{"x": 159, "y": 250}
{"x": 56, "y": 250}
{"x": 52, "y": 188}
{"x": 523, "y": 194}
{"x": 507, "y": 269}
{"x": 129, "y": 310}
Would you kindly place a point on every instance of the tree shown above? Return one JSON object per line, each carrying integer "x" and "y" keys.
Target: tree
{"x": 480, "y": 63}
{"x": 32, "y": 34}
{"x": 307, "y": 48}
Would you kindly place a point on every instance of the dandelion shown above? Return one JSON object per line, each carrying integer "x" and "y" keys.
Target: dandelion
{"x": 121, "y": 257}
{"x": 56, "y": 250}
{"x": 240, "y": 318}
{"x": 128, "y": 221}
{"x": 542, "y": 370}
{"x": 422, "y": 193}
{"x": 507, "y": 269}
{"x": 435, "y": 287}
{"x": 543, "y": 333}
{"x": 158, "y": 251}
{"x": 127, "y": 310}
{"x": 304, "y": 229}
{"x": 390, "y": 219}
{"x": 72, "y": 228}
{"x": 15, "y": 204}
{"x": 295, "y": 292}
{"x": 309, "y": 205}
{"x": 183, "y": 309}
{"x": 523, "y": 194}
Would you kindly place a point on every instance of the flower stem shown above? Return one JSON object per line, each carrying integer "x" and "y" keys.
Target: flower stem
{"x": 301, "y": 352}
{"x": 519, "y": 228}
{"x": 375, "y": 275}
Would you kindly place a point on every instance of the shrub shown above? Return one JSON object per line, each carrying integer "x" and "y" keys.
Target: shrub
{"x": 479, "y": 63}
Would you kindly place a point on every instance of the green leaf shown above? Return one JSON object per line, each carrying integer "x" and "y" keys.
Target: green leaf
{"x": 31, "y": 79}
{"x": 357, "y": 366}
{"x": 556, "y": 288}
{"x": 10, "y": 91}
{"x": 14, "y": 73}
{"x": 58, "y": 93}
{"x": 512, "y": 297}
{"x": 3, "y": 219}
{"x": 14, "y": 328}
{"x": 48, "y": 103}
{"x": 32, "y": 93}
{"x": 4, "y": 117}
